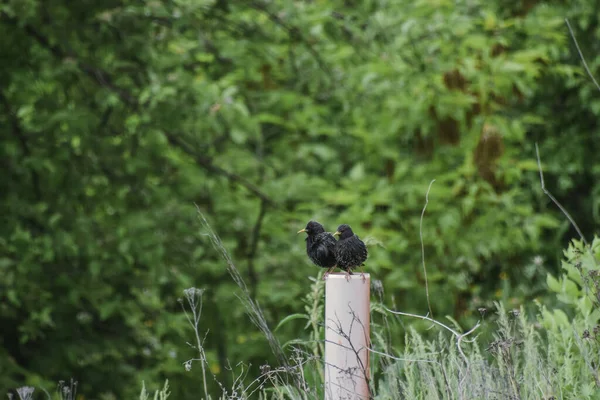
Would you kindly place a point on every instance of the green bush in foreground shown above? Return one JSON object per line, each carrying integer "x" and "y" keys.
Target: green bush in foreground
{"x": 556, "y": 355}
{"x": 551, "y": 357}
{"x": 507, "y": 355}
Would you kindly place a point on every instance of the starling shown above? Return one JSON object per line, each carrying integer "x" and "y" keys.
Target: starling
{"x": 320, "y": 246}
{"x": 350, "y": 251}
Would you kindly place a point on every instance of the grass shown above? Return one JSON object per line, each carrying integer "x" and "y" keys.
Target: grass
{"x": 543, "y": 356}
{"x": 508, "y": 355}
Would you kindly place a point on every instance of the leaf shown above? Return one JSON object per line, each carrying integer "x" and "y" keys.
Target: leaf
{"x": 553, "y": 284}
{"x": 290, "y": 318}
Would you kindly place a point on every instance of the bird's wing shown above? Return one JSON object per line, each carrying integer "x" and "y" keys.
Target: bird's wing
{"x": 323, "y": 251}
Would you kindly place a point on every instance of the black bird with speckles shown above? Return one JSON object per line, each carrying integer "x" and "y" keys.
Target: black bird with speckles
{"x": 320, "y": 246}
{"x": 350, "y": 251}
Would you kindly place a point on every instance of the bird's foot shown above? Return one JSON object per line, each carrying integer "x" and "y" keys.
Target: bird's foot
{"x": 326, "y": 274}
{"x": 364, "y": 278}
{"x": 348, "y": 276}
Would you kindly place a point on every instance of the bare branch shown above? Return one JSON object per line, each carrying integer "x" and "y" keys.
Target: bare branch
{"x": 423, "y": 246}
{"x": 459, "y": 336}
{"x": 293, "y": 32}
{"x": 401, "y": 358}
{"x": 581, "y": 54}
{"x": 23, "y": 141}
{"x": 562, "y": 209}
{"x": 207, "y": 164}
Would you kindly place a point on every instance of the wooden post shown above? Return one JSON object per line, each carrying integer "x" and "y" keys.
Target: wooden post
{"x": 347, "y": 337}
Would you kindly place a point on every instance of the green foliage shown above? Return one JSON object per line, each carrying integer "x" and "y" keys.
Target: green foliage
{"x": 162, "y": 394}
{"x": 267, "y": 114}
{"x": 579, "y": 285}
{"x": 552, "y": 356}
{"x": 517, "y": 364}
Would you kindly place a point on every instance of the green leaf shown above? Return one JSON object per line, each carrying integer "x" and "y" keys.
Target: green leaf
{"x": 290, "y": 318}
{"x": 553, "y": 284}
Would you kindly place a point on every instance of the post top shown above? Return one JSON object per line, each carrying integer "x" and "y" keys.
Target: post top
{"x": 342, "y": 275}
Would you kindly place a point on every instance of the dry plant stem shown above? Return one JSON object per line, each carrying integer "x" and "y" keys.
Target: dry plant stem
{"x": 466, "y": 374}
{"x": 459, "y": 336}
{"x": 403, "y": 359}
{"x": 423, "y": 246}
{"x": 591, "y": 364}
{"x": 581, "y": 54}
{"x": 196, "y": 314}
{"x": 556, "y": 202}
{"x": 253, "y": 311}
{"x": 350, "y": 346}
{"x": 202, "y": 362}
{"x": 446, "y": 382}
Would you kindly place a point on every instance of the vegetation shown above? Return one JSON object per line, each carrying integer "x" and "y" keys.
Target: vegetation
{"x": 120, "y": 119}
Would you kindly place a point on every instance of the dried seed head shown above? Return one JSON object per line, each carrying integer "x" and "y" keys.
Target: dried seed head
{"x": 265, "y": 369}
{"x": 25, "y": 392}
{"x": 586, "y": 334}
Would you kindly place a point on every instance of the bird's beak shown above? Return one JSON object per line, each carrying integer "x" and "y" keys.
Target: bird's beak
{"x": 300, "y": 231}
{"x": 337, "y": 233}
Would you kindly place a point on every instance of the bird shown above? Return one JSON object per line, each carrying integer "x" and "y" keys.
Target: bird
{"x": 320, "y": 246}
{"x": 350, "y": 251}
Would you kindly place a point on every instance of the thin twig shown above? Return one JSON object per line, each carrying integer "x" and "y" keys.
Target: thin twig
{"x": 459, "y": 336}
{"x": 207, "y": 163}
{"x": 581, "y": 54}
{"x": 401, "y": 358}
{"x": 294, "y": 33}
{"x": 423, "y": 246}
{"x": 562, "y": 209}
{"x": 348, "y": 337}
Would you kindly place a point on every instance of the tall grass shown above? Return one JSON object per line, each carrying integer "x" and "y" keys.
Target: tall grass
{"x": 523, "y": 360}
{"x": 514, "y": 356}
{"x": 543, "y": 356}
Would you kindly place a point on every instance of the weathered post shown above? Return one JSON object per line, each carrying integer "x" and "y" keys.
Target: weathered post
{"x": 347, "y": 337}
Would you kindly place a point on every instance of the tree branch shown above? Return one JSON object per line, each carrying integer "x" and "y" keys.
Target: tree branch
{"x": 18, "y": 132}
{"x": 294, "y": 33}
{"x": 207, "y": 164}
{"x": 423, "y": 247}
{"x": 97, "y": 74}
{"x": 581, "y": 54}
{"x": 556, "y": 202}
{"x": 105, "y": 79}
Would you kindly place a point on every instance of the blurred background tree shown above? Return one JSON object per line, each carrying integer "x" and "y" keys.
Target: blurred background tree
{"x": 116, "y": 117}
